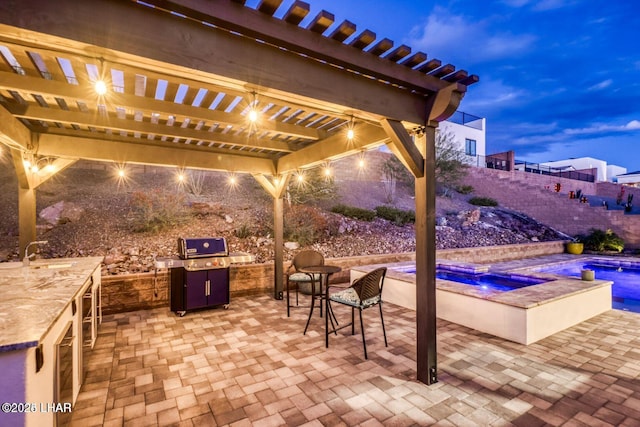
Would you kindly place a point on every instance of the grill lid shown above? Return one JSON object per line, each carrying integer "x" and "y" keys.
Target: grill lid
{"x": 202, "y": 247}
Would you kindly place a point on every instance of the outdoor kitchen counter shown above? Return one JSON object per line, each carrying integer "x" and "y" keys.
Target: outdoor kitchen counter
{"x": 33, "y": 298}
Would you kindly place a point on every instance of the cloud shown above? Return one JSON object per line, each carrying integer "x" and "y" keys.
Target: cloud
{"x": 540, "y": 5}
{"x": 446, "y": 34}
{"x": 552, "y": 4}
{"x": 602, "y": 85}
{"x": 633, "y": 125}
{"x": 492, "y": 95}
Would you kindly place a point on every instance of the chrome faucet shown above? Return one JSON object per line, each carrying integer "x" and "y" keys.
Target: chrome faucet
{"x": 27, "y": 257}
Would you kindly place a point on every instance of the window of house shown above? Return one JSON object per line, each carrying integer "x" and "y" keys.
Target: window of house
{"x": 470, "y": 147}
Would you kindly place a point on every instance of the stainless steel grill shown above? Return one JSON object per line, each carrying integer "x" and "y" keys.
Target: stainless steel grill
{"x": 203, "y": 254}
{"x": 200, "y": 273}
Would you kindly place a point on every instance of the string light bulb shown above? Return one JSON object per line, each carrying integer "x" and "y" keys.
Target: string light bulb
{"x": 100, "y": 87}
{"x": 253, "y": 115}
{"x": 121, "y": 173}
{"x": 34, "y": 164}
{"x": 181, "y": 177}
{"x": 232, "y": 180}
{"x": 350, "y": 134}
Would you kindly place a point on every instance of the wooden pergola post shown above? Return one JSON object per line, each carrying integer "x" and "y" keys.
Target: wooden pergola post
{"x": 425, "y": 228}
{"x": 26, "y": 204}
{"x": 276, "y": 188}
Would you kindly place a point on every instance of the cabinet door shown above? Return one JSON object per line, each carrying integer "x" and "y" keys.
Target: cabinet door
{"x": 218, "y": 286}
{"x": 195, "y": 291}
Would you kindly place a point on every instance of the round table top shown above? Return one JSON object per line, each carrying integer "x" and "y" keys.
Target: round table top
{"x": 320, "y": 269}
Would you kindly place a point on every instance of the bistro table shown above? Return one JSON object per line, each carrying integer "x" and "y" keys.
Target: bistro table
{"x": 324, "y": 271}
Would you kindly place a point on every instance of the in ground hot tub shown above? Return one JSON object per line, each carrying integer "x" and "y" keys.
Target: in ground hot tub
{"x": 536, "y": 308}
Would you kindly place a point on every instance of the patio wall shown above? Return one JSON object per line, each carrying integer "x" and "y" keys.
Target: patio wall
{"x": 131, "y": 292}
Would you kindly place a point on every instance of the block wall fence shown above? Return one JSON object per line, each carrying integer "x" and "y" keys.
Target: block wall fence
{"x": 533, "y": 195}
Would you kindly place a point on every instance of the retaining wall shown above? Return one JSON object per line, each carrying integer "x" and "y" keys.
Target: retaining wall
{"x": 534, "y": 195}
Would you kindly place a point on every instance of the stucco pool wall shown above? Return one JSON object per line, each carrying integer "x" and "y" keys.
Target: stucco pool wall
{"x": 523, "y": 315}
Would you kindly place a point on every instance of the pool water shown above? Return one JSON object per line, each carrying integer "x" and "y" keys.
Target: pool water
{"x": 485, "y": 281}
{"x": 625, "y": 291}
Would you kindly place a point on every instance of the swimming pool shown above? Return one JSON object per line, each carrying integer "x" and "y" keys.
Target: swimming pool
{"x": 523, "y": 314}
{"x": 483, "y": 280}
{"x": 625, "y": 291}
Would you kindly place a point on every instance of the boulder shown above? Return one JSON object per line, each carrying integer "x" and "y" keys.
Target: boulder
{"x": 61, "y": 213}
{"x": 292, "y": 246}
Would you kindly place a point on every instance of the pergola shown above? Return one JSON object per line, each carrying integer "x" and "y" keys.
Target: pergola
{"x": 184, "y": 77}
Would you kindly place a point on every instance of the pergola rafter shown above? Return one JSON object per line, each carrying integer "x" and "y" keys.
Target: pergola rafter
{"x": 181, "y": 79}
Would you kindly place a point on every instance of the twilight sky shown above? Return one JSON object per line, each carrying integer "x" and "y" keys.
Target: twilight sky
{"x": 558, "y": 78}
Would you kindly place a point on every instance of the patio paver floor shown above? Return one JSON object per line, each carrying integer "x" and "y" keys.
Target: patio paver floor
{"x": 251, "y": 365}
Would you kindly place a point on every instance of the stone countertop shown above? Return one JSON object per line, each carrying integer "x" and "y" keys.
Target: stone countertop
{"x": 33, "y": 298}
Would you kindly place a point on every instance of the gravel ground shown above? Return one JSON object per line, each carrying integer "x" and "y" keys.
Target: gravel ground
{"x": 97, "y": 220}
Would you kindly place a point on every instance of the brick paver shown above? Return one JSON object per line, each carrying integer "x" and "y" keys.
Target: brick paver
{"x": 252, "y": 365}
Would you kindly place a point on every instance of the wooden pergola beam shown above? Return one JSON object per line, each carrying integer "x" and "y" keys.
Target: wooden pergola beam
{"x": 257, "y": 25}
{"x": 403, "y": 147}
{"x": 143, "y": 153}
{"x": 203, "y": 150}
{"x": 86, "y": 93}
{"x": 115, "y": 124}
{"x": 332, "y": 148}
{"x": 12, "y": 132}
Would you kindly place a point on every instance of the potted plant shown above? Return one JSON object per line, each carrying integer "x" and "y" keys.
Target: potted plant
{"x": 575, "y": 246}
{"x": 587, "y": 275}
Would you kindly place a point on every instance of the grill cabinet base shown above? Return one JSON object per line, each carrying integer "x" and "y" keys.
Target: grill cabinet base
{"x": 192, "y": 290}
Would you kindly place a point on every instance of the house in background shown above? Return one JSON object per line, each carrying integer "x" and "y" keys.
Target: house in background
{"x": 469, "y": 133}
{"x": 601, "y": 170}
{"x": 631, "y": 179}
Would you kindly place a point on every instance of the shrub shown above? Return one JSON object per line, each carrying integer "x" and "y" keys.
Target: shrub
{"x": 451, "y": 166}
{"x": 397, "y": 216}
{"x": 243, "y": 231}
{"x": 353, "y": 212}
{"x": 601, "y": 241}
{"x": 156, "y": 211}
{"x": 465, "y": 189}
{"x": 303, "y": 224}
{"x": 393, "y": 171}
{"x": 483, "y": 201}
{"x": 315, "y": 187}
